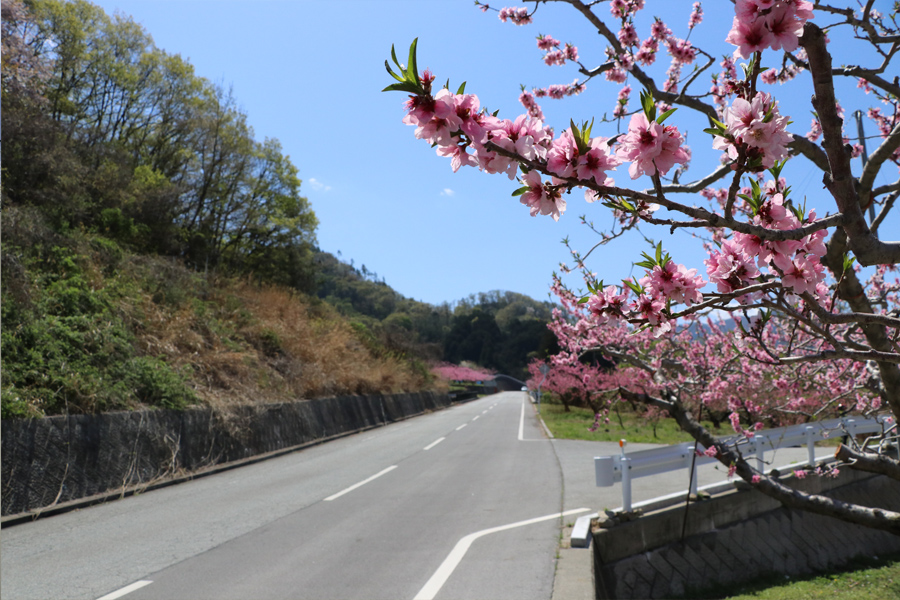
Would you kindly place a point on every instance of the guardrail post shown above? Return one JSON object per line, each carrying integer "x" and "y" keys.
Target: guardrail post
{"x": 811, "y": 445}
{"x": 626, "y": 483}
{"x": 692, "y": 465}
{"x": 760, "y": 452}
{"x": 625, "y": 462}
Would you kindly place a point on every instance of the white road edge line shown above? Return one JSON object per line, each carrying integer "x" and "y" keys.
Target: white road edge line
{"x": 126, "y": 590}
{"x": 440, "y": 577}
{"x": 461, "y": 426}
{"x": 522, "y": 423}
{"x": 434, "y": 443}
{"x": 522, "y": 428}
{"x": 361, "y": 483}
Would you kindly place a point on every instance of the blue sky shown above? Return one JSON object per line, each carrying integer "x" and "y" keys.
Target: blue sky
{"x": 309, "y": 72}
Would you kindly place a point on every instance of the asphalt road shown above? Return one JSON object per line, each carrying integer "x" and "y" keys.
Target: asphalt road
{"x": 461, "y": 503}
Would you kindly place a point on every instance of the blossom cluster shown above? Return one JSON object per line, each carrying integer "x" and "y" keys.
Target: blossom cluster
{"x": 759, "y": 127}
{"x": 559, "y": 57}
{"x": 625, "y": 8}
{"x": 696, "y": 16}
{"x": 663, "y": 284}
{"x": 674, "y": 282}
{"x": 738, "y": 261}
{"x": 519, "y": 16}
{"x": 455, "y": 124}
{"x": 621, "y": 108}
{"x": 559, "y": 91}
{"x": 784, "y": 74}
{"x": 651, "y": 147}
{"x": 554, "y": 55}
{"x": 681, "y": 50}
{"x": 762, "y": 24}
{"x": 527, "y": 100}
{"x": 565, "y": 159}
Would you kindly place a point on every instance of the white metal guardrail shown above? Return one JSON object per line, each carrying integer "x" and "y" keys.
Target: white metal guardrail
{"x": 627, "y": 466}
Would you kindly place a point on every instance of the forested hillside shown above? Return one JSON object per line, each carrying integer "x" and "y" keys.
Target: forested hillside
{"x": 154, "y": 252}
{"x": 498, "y": 330}
{"x": 105, "y": 132}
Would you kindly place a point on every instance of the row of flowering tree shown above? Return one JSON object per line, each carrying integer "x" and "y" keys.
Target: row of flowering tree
{"x": 461, "y": 373}
{"x": 813, "y": 321}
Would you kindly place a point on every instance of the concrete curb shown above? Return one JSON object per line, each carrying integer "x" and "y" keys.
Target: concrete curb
{"x": 581, "y": 533}
{"x": 546, "y": 429}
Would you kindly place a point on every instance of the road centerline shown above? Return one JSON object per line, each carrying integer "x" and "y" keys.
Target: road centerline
{"x": 434, "y": 443}
{"x": 360, "y": 484}
{"x": 522, "y": 424}
{"x": 440, "y": 577}
{"x": 125, "y": 590}
{"x": 461, "y": 426}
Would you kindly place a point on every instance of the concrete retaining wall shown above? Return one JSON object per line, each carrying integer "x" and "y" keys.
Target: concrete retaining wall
{"x": 51, "y": 461}
{"x": 736, "y": 538}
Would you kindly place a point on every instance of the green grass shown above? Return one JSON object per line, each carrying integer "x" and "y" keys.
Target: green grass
{"x": 575, "y": 425}
{"x": 863, "y": 579}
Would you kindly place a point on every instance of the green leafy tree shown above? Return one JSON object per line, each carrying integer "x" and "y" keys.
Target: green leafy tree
{"x": 126, "y": 140}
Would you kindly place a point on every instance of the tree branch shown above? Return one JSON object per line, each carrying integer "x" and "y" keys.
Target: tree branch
{"x": 886, "y": 189}
{"x": 695, "y": 186}
{"x": 712, "y": 219}
{"x": 869, "y": 462}
{"x": 810, "y": 150}
{"x": 876, "y": 159}
{"x": 888, "y": 205}
{"x": 852, "y": 292}
{"x": 871, "y": 76}
{"x": 839, "y": 179}
{"x": 858, "y": 355}
{"x": 848, "y": 13}
{"x": 645, "y": 80}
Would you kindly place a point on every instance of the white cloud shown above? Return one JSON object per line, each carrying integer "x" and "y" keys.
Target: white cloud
{"x": 447, "y": 192}
{"x": 318, "y": 185}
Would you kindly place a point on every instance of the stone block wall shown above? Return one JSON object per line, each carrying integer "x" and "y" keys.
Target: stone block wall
{"x": 737, "y": 538}
{"x": 51, "y": 461}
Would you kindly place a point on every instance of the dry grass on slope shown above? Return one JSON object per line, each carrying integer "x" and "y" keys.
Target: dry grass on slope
{"x": 89, "y": 326}
{"x": 246, "y": 343}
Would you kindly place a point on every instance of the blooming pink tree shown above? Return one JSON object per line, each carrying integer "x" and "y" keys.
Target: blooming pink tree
{"x": 816, "y": 316}
{"x": 452, "y": 372}
{"x": 573, "y": 382}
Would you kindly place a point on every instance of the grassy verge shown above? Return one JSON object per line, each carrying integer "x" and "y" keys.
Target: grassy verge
{"x": 863, "y": 579}
{"x": 575, "y": 425}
